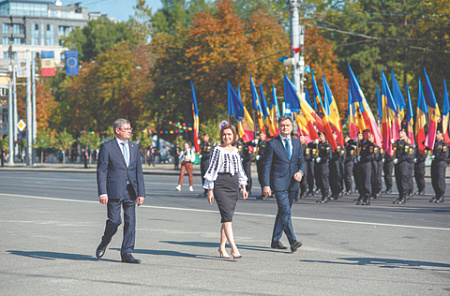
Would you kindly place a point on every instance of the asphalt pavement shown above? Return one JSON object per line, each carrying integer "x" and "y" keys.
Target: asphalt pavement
{"x": 51, "y": 224}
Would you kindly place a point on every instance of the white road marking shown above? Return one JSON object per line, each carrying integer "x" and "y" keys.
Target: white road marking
{"x": 236, "y": 213}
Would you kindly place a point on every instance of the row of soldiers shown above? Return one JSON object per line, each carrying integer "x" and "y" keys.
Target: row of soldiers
{"x": 361, "y": 162}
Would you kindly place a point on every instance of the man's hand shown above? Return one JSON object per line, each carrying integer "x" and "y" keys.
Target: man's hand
{"x": 139, "y": 200}
{"x": 104, "y": 199}
{"x": 298, "y": 176}
{"x": 267, "y": 191}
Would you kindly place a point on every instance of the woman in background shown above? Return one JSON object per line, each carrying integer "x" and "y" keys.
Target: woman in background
{"x": 187, "y": 157}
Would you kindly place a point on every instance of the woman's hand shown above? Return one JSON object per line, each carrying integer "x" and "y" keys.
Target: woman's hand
{"x": 210, "y": 197}
{"x": 244, "y": 193}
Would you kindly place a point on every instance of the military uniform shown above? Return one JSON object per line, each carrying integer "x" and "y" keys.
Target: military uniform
{"x": 401, "y": 156}
{"x": 304, "y": 182}
{"x": 336, "y": 184}
{"x": 322, "y": 171}
{"x": 350, "y": 155}
{"x": 365, "y": 158}
{"x": 419, "y": 170}
{"x": 438, "y": 167}
{"x": 259, "y": 162}
{"x": 388, "y": 167}
{"x": 376, "y": 173}
{"x": 246, "y": 158}
{"x": 310, "y": 163}
{"x": 410, "y": 177}
{"x": 205, "y": 150}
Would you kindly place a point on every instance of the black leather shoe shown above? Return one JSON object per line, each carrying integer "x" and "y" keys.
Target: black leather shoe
{"x": 278, "y": 245}
{"x": 101, "y": 249}
{"x": 433, "y": 199}
{"x": 295, "y": 246}
{"x": 130, "y": 259}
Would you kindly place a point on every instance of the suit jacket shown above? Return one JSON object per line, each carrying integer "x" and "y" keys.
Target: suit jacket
{"x": 279, "y": 170}
{"x": 113, "y": 173}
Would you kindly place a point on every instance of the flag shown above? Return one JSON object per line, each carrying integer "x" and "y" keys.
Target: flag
{"x": 275, "y": 107}
{"x": 445, "y": 111}
{"x": 71, "y": 62}
{"x": 238, "y": 110}
{"x": 358, "y": 96}
{"x": 433, "y": 113}
{"x": 307, "y": 119}
{"x": 421, "y": 119}
{"x": 379, "y": 104}
{"x": 409, "y": 116}
{"x": 353, "y": 128}
{"x": 324, "y": 109}
{"x": 196, "y": 120}
{"x": 388, "y": 113}
{"x": 334, "y": 118}
{"x": 400, "y": 104}
{"x": 307, "y": 99}
{"x": 257, "y": 105}
{"x": 23, "y": 64}
{"x": 47, "y": 63}
{"x": 266, "y": 114}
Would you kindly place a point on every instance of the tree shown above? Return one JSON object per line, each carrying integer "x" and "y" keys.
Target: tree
{"x": 45, "y": 104}
{"x": 92, "y": 141}
{"x": 64, "y": 141}
{"x": 44, "y": 141}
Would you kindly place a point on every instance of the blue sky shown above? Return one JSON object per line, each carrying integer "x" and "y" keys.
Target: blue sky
{"x": 118, "y": 9}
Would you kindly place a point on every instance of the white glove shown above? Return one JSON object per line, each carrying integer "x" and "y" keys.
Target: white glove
{"x": 395, "y": 160}
{"x": 384, "y": 160}
{"x": 318, "y": 159}
{"x": 415, "y": 160}
{"x": 359, "y": 158}
{"x": 200, "y": 156}
{"x": 258, "y": 157}
{"x": 316, "y": 141}
{"x": 432, "y": 157}
{"x": 392, "y": 141}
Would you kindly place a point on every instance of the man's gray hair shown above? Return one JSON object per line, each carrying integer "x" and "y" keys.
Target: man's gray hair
{"x": 284, "y": 117}
{"x": 119, "y": 123}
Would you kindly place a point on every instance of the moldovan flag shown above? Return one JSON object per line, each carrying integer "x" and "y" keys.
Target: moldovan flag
{"x": 421, "y": 119}
{"x": 266, "y": 114}
{"x": 257, "y": 105}
{"x": 409, "y": 116}
{"x": 307, "y": 118}
{"x": 326, "y": 113}
{"x": 353, "y": 128}
{"x": 238, "y": 110}
{"x": 275, "y": 109}
{"x": 445, "y": 112}
{"x": 47, "y": 63}
{"x": 433, "y": 113}
{"x": 389, "y": 114}
{"x": 399, "y": 107}
{"x": 71, "y": 62}
{"x": 196, "y": 120}
{"x": 334, "y": 117}
{"x": 358, "y": 96}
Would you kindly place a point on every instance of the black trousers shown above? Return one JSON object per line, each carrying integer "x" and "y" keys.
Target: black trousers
{"x": 114, "y": 220}
{"x": 204, "y": 164}
{"x": 317, "y": 177}
{"x": 387, "y": 169}
{"x": 323, "y": 173}
{"x": 401, "y": 178}
{"x": 365, "y": 187}
{"x": 357, "y": 176}
{"x": 336, "y": 180}
{"x": 348, "y": 175}
{"x": 260, "y": 169}
{"x": 248, "y": 172}
{"x": 310, "y": 175}
{"x": 419, "y": 175}
{"x": 304, "y": 183}
{"x": 438, "y": 177}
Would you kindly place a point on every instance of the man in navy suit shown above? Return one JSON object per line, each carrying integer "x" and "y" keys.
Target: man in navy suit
{"x": 120, "y": 183}
{"x": 283, "y": 169}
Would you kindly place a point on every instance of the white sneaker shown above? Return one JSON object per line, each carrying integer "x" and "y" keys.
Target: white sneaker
{"x": 178, "y": 188}
{"x": 191, "y": 188}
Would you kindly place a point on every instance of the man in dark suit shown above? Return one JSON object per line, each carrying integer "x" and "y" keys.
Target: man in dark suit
{"x": 120, "y": 182}
{"x": 283, "y": 169}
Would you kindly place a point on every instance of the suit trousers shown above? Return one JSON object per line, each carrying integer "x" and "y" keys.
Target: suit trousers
{"x": 114, "y": 220}
{"x": 283, "y": 221}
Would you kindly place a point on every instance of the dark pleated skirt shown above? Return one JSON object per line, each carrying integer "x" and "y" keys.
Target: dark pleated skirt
{"x": 226, "y": 193}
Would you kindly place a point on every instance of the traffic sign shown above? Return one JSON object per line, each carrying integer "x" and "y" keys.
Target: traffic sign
{"x": 21, "y": 125}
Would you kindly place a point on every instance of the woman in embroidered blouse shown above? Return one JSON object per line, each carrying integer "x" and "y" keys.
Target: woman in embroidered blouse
{"x": 222, "y": 180}
{"x": 187, "y": 157}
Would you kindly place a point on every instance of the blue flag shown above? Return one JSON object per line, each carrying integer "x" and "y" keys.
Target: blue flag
{"x": 72, "y": 62}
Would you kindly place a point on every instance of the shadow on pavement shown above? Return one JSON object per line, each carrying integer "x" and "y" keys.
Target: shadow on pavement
{"x": 54, "y": 255}
{"x": 216, "y": 245}
{"x": 389, "y": 263}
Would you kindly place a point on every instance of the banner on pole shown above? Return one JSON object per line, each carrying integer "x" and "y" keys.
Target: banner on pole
{"x": 47, "y": 63}
{"x": 23, "y": 64}
{"x": 71, "y": 62}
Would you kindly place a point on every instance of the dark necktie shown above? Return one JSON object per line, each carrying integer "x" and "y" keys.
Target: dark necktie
{"x": 288, "y": 148}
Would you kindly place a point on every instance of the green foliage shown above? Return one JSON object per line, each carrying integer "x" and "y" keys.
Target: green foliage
{"x": 4, "y": 143}
{"x": 212, "y": 128}
{"x": 93, "y": 141}
{"x": 143, "y": 139}
{"x": 44, "y": 140}
{"x": 64, "y": 141}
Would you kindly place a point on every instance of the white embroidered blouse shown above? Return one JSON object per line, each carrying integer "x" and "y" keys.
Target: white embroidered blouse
{"x": 223, "y": 161}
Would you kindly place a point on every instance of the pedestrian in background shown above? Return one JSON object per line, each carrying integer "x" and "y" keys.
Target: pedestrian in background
{"x": 176, "y": 156}
{"x": 3, "y": 156}
{"x": 223, "y": 178}
{"x": 259, "y": 161}
{"x": 187, "y": 158}
{"x": 86, "y": 156}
